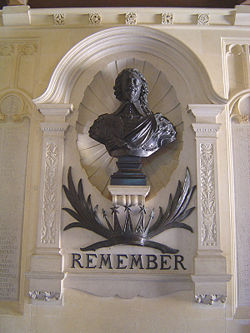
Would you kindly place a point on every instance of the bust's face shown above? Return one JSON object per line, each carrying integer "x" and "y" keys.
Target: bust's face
{"x": 131, "y": 87}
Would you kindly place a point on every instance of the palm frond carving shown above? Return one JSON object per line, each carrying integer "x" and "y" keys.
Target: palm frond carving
{"x": 126, "y": 233}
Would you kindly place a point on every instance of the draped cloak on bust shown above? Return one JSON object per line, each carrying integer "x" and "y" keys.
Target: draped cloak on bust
{"x": 132, "y": 130}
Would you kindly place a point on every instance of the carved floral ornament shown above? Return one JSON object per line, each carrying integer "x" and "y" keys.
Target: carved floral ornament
{"x": 48, "y": 232}
{"x": 131, "y": 18}
{"x": 42, "y": 295}
{"x": 203, "y": 19}
{"x": 237, "y": 49}
{"x": 239, "y": 107}
{"x": 59, "y": 18}
{"x": 6, "y": 49}
{"x": 22, "y": 48}
{"x": 95, "y": 18}
{"x": 13, "y": 107}
{"x": 210, "y": 299}
{"x": 208, "y": 202}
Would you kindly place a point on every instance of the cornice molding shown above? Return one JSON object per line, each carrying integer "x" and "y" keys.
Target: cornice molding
{"x": 216, "y": 17}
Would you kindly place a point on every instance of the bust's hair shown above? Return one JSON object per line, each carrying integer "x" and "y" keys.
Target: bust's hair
{"x": 144, "y": 89}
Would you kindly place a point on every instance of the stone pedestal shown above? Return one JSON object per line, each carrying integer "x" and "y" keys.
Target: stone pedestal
{"x": 128, "y": 195}
{"x": 129, "y": 172}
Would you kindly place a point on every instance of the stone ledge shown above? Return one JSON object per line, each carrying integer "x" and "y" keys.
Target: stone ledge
{"x": 92, "y": 17}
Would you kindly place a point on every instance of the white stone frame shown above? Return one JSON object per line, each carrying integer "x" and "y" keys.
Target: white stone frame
{"x": 46, "y": 280}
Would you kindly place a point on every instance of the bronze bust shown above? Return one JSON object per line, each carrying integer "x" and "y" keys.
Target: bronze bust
{"x": 133, "y": 129}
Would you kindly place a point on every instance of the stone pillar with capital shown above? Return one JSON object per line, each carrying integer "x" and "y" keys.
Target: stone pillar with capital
{"x": 210, "y": 278}
{"x": 45, "y": 276}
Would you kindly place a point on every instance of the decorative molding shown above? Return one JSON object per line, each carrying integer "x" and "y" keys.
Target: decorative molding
{"x": 116, "y": 40}
{"x": 206, "y": 130}
{"x": 95, "y": 18}
{"x": 202, "y": 19}
{"x": 210, "y": 299}
{"x": 239, "y": 107}
{"x": 206, "y": 114}
{"x": 59, "y": 18}
{"x": 236, "y": 49}
{"x": 29, "y": 48}
{"x": 57, "y": 128}
{"x": 207, "y": 195}
{"x": 48, "y": 225}
{"x": 20, "y": 116}
{"x": 167, "y": 18}
{"x": 6, "y": 49}
{"x": 13, "y": 107}
{"x": 125, "y": 195}
{"x": 138, "y": 285}
{"x": 44, "y": 295}
{"x": 79, "y": 16}
{"x": 55, "y": 110}
{"x": 131, "y": 18}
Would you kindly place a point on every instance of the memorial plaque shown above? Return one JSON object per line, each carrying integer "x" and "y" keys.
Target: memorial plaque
{"x": 13, "y": 154}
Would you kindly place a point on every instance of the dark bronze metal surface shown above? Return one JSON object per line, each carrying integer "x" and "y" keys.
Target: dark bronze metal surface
{"x": 129, "y": 172}
{"x": 133, "y": 129}
{"x": 116, "y": 232}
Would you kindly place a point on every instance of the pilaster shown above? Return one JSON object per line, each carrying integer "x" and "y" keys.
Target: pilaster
{"x": 210, "y": 278}
{"x": 46, "y": 263}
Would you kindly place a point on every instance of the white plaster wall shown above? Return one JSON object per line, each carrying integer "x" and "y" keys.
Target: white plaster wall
{"x": 82, "y": 312}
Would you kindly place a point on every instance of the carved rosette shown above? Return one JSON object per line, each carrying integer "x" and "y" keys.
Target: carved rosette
{"x": 131, "y": 18}
{"x": 95, "y": 18}
{"x": 207, "y": 195}
{"x": 59, "y": 19}
{"x": 167, "y": 18}
{"x": 49, "y": 195}
{"x": 203, "y": 19}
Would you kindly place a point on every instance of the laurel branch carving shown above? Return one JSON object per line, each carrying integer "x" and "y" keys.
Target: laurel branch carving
{"x": 208, "y": 206}
{"x": 48, "y": 227}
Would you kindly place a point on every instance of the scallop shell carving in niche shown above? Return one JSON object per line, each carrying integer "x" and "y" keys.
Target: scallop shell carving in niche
{"x": 99, "y": 98}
